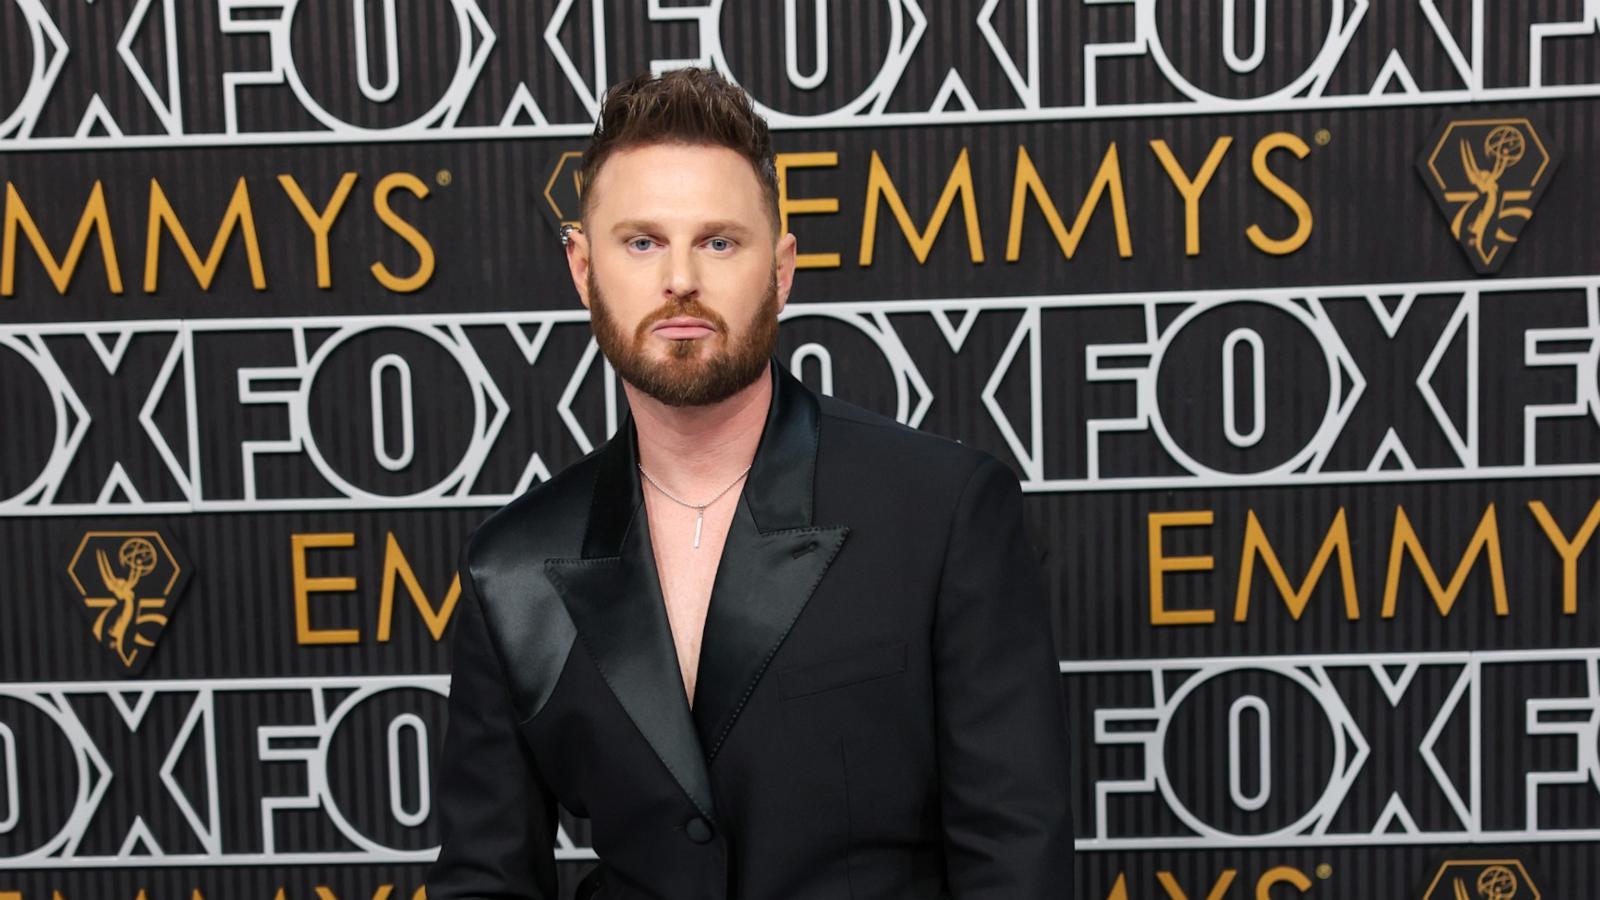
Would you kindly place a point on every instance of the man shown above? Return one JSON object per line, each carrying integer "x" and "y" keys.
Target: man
{"x": 773, "y": 646}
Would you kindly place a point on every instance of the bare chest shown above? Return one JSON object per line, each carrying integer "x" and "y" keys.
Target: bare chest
{"x": 686, "y": 572}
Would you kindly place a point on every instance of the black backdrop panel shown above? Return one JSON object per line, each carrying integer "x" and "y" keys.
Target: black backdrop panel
{"x": 1287, "y": 316}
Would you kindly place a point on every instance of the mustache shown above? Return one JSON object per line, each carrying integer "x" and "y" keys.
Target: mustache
{"x": 674, "y": 308}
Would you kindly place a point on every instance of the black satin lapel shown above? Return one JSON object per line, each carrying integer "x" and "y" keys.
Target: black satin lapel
{"x": 783, "y": 474}
{"x": 763, "y": 582}
{"x": 615, "y": 602}
{"x": 616, "y": 493}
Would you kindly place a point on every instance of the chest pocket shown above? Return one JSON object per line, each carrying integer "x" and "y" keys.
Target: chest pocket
{"x": 868, "y": 663}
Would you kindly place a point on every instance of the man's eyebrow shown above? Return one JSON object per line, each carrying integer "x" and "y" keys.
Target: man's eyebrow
{"x": 733, "y": 228}
{"x": 637, "y": 226}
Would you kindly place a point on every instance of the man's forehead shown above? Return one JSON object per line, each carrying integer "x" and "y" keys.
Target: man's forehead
{"x": 674, "y": 181}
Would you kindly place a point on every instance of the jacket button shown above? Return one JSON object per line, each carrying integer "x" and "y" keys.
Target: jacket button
{"x": 698, "y": 830}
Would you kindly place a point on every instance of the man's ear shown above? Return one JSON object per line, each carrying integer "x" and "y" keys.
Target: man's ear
{"x": 784, "y": 265}
{"x": 578, "y": 263}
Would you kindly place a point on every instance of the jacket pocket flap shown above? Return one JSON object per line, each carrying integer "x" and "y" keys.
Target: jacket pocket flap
{"x": 876, "y": 661}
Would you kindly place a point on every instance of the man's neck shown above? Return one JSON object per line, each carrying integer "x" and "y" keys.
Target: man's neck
{"x": 692, "y": 449}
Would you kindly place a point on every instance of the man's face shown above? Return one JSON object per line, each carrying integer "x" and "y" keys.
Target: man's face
{"x": 679, "y": 268}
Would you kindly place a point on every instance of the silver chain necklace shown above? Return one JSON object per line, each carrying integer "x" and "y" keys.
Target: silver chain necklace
{"x": 699, "y": 508}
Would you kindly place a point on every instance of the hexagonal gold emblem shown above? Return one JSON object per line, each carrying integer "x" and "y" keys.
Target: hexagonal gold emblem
{"x": 563, "y": 190}
{"x": 1482, "y": 879}
{"x": 1487, "y": 175}
{"x": 129, "y": 583}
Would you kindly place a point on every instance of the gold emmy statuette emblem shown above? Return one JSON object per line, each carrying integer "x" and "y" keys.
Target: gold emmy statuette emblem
{"x": 1494, "y": 883}
{"x": 1506, "y": 147}
{"x": 1482, "y": 879}
{"x": 1487, "y": 175}
{"x": 128, "y": 590}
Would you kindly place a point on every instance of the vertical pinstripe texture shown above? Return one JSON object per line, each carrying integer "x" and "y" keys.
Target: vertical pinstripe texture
{"x": 484, "y": 219}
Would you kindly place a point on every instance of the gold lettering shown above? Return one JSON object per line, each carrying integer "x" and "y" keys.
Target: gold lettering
{"x": 1107, "y": 180}
{"x": 1569, "y": 550}
{"x": 1288, "y": 195}
{"x": 1218, "y": 890}
{"x": 1189, "y": 189}
{"x": 238, "y": 214}
{"x": 94, "y": 218}
{"x": 320, "y": 222}
{"x": 881, "y": 187}
{"x": 1257, "y": 545}
{"x": 1119, "y": 891}
{"x": 304, "y": 587}
{"x": 407, "y": 232}
{"x": 806, "y": 206}
{"x": 396, "y": 564}
{"x": 1486, "y": 539}
{"x": 1160, "y": 564}
{"x": 382, "y": 893}
{"x": 1281, "y": 875}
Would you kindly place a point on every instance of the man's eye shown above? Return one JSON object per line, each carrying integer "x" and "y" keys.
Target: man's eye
{"x": 641, "y": 243}
{"x": 720, "y": 244}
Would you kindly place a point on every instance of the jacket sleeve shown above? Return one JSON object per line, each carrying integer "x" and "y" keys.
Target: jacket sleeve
{"x": 497, "y": 816}
{"x": 1002, "y": 739}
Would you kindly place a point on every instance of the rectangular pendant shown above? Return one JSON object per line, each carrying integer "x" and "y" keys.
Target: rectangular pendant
{"x": 699, "y": 519}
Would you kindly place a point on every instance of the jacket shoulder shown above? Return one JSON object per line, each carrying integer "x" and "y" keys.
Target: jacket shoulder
{"x": 502, "y": 565}
{"x": 877, "y": 440}
{"x": 546, "y": 521}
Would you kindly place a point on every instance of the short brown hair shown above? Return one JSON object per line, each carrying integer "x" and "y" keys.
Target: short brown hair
{"x": 684, "y": 106}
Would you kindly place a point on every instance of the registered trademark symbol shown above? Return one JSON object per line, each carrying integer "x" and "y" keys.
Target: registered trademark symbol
{"x": 1324, "y": 871}
{"x": 443, "y": 177}
{"x": 1323, "y": 137}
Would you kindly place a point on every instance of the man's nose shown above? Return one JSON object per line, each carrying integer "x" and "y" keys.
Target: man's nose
{"x": 682, "y": 280}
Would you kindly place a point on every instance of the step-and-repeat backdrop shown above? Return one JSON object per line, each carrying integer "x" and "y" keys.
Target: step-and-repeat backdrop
{"x": 1286, "y": 314}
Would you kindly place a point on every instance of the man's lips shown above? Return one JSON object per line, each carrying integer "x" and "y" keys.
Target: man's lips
{"x": 681, "y": 328}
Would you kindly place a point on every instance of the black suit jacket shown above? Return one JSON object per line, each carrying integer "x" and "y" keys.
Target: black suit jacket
{"x": 877, "y": 714}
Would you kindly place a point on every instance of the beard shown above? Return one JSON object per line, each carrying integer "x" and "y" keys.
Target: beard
{"x": 690, "y": 375}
